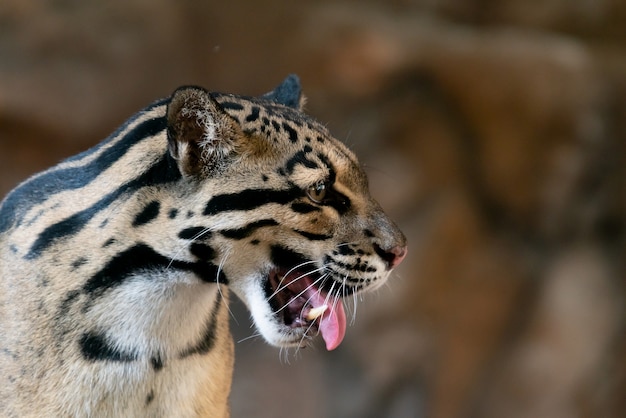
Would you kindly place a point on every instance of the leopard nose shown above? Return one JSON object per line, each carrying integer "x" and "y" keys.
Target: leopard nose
{"x": 392, "y": 256}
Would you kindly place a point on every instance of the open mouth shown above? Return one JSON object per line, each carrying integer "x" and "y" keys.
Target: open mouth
{"x": 299, "y": 303}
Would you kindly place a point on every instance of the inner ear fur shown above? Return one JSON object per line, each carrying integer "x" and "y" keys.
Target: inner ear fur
{"x": 200, "y": 134}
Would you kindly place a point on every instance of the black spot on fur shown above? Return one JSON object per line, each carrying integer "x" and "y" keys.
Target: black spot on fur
{"x": 172, "y": 213}
{"x": 149, "y": 213}
{"x": 231, "y": 106}
{"x": 109, "y": 242}
{"x": 264, "y": 177}
{"x": 368, "y": 233}
{"x": 95, "y": 347}
{"x": 293, "y": 134}
{"x": 150, "y": 397}
{"x": 190, "y": 214}
{"x": 276, "y": 125}
{"x": 247, "y": 230}
{"x": 79, "y": 262}
{"x": 357, "y": 266}
{"x": 255, "y": 242}
{"x": 202, "y": 251}
{"x": 194, "y": 232}
{"x": 254, "y": 115}
{"x": 156, "y": 363}
{"x": 344, "y": 250}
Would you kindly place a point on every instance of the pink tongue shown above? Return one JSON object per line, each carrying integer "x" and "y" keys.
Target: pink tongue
{"x": 333, "y": 323}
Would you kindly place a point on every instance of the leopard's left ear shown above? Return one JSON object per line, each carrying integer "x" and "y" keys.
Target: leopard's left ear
{"x": 200, "y": 135}
{"x": 288, "y": 93}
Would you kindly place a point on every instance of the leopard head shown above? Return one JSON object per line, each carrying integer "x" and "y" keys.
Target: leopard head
{"x": 289, "y": 218}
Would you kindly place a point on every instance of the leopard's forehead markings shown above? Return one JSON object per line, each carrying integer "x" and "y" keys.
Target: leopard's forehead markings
{"x": 260, "y": 115}
{"x": 281, "y": 123}
{"x": 287, "y": 126}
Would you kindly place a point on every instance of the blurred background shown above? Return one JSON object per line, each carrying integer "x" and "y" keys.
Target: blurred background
{"x": 494, "y": 133}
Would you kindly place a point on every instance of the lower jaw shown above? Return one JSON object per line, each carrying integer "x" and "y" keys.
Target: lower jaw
{"x": 295, "y": 337}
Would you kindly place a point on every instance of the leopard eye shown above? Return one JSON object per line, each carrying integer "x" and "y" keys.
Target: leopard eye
{"x": 317, "y": 192}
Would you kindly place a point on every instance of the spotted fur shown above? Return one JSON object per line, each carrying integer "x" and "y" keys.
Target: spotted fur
{"x": 116, "y": 265}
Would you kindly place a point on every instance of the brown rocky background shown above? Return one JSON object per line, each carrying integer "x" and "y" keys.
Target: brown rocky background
{"x": 493, "y": 131}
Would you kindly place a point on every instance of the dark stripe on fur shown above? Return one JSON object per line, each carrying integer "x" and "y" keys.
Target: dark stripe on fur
{"x": 304, "y": 208}
{"x": 163, "y": 171}
{"x": 299, "y": 158}
{"x": 202, "y": 251}
{"x": 207, "y": 341}
{"x": 157, "y": 363}
{"x": 249, "y": 199}
{"x": 140, "y": 258}
{"x": 284, "y": 257}
{"x": 231, "y": 106}
{"x": 41, "y": 188}
{"x": 254, "y": 115}
{"x": 195, "y": 232}
{"x": 119, "y": 130}
{"x": 312, "y": 236}
{"x": 293, "y": 134}
{"x": 95, "y": 347}
{"x": 149, "y": 213}
{"x": 247, "y": 230}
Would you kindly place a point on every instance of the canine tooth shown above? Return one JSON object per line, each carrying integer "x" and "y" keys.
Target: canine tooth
{"x": 316, "y": 312}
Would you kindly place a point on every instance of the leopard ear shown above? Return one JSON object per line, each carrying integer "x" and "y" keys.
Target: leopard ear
{"x": 288, "y": 93}
{"x": 200, "y": 134}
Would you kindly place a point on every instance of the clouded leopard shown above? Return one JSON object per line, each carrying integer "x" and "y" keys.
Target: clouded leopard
{"x": 116, "y": 265}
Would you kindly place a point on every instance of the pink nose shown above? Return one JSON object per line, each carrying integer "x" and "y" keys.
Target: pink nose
{"x": 398, "y": 255}
{"x": 392, "y": 256}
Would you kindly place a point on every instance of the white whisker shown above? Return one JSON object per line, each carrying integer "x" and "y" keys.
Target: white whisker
{"x": 283, "y": 355}
{"x": 249, "y": 337}
{"x": 355, "y": 302}
{"x": 347, "y": 243}
{"x": 300, "y": 294}
{"x": 219, "y": 288}
{"x": 304, "y": 336}
{"x": 295, "y": 280}
{"x": 279, "y": 287}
